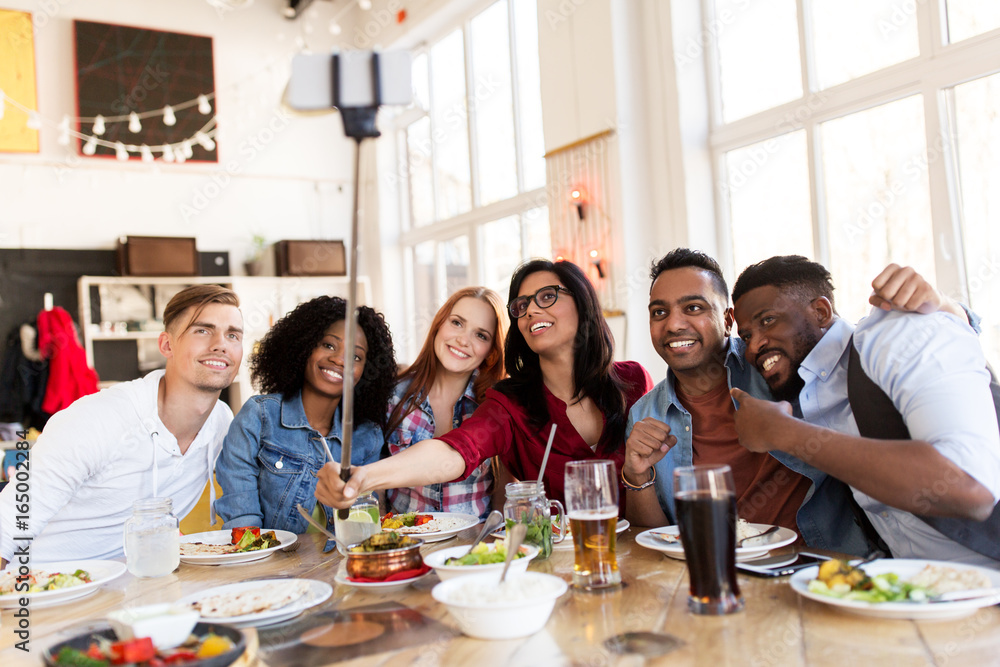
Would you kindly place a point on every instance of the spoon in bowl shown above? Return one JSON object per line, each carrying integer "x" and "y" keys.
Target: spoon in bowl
{"x": 493, "y": 521}
{"x": 514, "y": 539}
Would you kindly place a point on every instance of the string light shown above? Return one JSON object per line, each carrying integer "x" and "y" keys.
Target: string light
{"x": 204, "y": 140}
{"x": 365, "y": 5}
{"x": 176, "y": 152}
{"x": 64, "y": 131}
{"x": 335, "y": 28}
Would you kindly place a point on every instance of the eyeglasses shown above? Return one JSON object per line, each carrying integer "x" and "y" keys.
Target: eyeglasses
{"x": 543, "y": 298}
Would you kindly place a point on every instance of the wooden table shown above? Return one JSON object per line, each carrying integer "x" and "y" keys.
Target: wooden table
{"x": 777, "y": 627}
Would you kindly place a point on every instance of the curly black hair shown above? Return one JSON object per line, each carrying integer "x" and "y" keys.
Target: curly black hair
{"x": 278, "y": 364}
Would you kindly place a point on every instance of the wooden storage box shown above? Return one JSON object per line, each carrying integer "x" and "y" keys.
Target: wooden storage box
{"x": 310, "y": 258}
{"x": 157, "y": 256}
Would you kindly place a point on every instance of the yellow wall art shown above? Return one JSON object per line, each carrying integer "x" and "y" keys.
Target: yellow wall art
{"x": 17, "y": 81}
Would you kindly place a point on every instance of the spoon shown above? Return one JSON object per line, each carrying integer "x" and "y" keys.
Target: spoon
{"x": 493, "y": 521}
{"x": 514, "y": 539}
{"x": 772, "y": 529}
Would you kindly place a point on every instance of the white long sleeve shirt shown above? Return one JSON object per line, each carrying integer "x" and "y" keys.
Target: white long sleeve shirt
{"x": 93, "y": 460}
{"x": 933, "y": 369}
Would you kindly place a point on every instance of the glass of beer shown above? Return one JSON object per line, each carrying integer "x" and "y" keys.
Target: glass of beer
{"x": 706, "y": 518}
{"x": 592, "y": 508}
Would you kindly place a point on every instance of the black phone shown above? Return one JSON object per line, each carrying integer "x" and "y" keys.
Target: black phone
{"x": 780, "y": 566}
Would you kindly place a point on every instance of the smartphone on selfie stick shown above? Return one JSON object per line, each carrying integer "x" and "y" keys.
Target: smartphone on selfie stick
{"x": 780, "y": 566}
{"x": 356, "y": 83}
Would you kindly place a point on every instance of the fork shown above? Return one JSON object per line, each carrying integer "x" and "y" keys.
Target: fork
{"x": 772, "y": 529}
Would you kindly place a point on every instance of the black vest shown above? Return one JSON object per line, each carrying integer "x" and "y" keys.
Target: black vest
{"x": 877, "y": 417}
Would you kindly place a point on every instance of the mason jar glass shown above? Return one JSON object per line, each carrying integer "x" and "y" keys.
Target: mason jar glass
{"x": 152, "y": 538}
{"x": 526, "y": 503}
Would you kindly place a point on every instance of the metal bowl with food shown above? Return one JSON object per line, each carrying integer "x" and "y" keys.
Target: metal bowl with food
{"x": 384, "y": 554}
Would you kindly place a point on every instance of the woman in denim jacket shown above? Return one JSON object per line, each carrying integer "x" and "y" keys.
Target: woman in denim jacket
{"x": 461, "y": 358}
{"x": 274, "y": 447}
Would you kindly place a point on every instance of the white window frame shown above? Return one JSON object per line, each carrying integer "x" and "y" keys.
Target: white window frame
{"x": 470, "y": 223}
{"x": 938, "y": 67}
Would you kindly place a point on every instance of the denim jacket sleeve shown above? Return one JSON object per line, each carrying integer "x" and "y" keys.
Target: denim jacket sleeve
{"x": 237, "y": 469}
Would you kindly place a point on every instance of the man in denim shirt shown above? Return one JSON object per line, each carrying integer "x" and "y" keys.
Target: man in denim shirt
{"x": 689, "y": 417}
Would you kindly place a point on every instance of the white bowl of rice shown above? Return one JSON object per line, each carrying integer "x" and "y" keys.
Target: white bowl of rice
{"x": 484, "y": 609}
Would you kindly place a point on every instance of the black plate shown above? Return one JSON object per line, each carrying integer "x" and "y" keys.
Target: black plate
{"x": 82, "y": 643}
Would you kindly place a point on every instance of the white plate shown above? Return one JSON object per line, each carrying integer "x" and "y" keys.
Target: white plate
{"x": 905, "y": 568}
{"x": 101, "y": 572}
{"x": 226, "y": 537}
{"x": 567, "y": 543}
{"x": 317, "y": 593}
{"x": 377, "y": 586}
{"x": 757, "y": 548}
{"x": 438, "y": 535}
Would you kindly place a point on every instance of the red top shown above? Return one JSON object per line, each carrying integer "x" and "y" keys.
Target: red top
{"x": 766, "y": 491}
{"x": 501, "y": 427}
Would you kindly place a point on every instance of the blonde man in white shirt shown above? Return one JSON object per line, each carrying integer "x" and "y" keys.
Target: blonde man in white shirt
{"x": 155, "y": 436}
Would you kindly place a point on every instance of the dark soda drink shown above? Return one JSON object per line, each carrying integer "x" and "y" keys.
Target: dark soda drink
{"x": 707, "y": 524}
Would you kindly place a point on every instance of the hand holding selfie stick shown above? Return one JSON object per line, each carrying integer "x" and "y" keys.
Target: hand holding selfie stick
{"x": 356, "y": 89}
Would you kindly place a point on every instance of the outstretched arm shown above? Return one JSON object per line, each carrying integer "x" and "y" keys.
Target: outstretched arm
{"x": 910, "y": 475}
{"x": 426, "y": 462}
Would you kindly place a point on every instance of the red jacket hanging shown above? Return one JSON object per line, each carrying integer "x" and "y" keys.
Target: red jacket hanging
{"x": 69, "y": 375}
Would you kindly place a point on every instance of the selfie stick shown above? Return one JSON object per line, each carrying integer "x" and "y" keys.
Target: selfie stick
{"x": 359, "y": 123}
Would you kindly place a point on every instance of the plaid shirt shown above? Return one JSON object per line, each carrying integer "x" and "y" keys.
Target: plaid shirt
{"x": 470, "y": 495}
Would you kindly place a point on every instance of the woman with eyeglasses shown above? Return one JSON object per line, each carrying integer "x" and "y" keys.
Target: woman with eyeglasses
{"x": 559, "y": 356}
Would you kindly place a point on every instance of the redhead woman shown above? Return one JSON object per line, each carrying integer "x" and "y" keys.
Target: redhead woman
{"x": 559, "y": 355}
{"x": 275, "y": 447}
{"x": 461, "y": 358}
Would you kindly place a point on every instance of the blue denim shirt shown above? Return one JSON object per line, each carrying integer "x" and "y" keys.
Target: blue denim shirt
{"x": 825, "y": 520}
{"x": 270, "y": 459}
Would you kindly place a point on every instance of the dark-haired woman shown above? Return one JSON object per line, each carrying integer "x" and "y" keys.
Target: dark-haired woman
{"x": 461, "y": 358}
{"x": 274, "y": 448}
{"x": 559, "y": 358}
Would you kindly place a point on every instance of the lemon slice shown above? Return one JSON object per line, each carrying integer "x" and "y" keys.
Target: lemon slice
{"x": 360, "y": 515}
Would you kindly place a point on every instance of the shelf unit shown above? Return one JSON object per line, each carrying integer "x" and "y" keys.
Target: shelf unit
{"x": 263, "y": 301}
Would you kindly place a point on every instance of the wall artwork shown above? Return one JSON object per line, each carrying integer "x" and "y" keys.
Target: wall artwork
{"x": 17, "y": 83}
{"x": 150, "y": 88}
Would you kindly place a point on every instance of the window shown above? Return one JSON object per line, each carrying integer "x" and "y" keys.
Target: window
{"x": 859, "y": 132}
{"x": 470, "y": 148}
